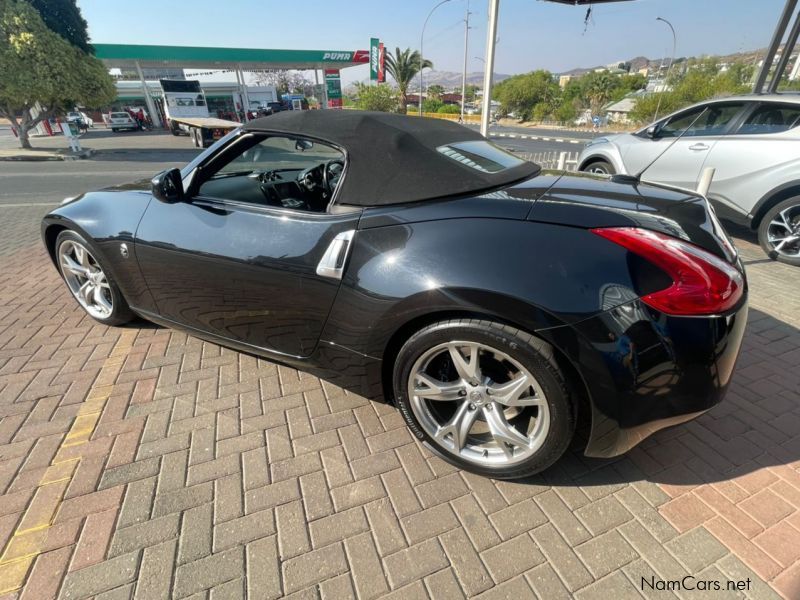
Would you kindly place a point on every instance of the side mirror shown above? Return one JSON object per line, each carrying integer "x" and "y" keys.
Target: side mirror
{"x": 167, "y": 186}
{"x": 652, "y": 132}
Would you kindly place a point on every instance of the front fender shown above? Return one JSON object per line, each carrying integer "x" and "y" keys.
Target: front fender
{"x": 608, "y": 152}
{"x": 107, "y": 220}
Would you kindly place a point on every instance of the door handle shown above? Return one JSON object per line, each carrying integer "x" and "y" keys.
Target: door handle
{"x": 698, "y": 146}
{"x": 332, "y": 262}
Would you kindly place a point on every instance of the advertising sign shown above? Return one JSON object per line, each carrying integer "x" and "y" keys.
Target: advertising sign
{"x": 333, "y": 85}
{"x": 381, "y": 63}
{"x": 374, "y": 58}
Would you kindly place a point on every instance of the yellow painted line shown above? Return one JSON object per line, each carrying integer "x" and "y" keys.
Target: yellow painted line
{"x": 29, "y": 537}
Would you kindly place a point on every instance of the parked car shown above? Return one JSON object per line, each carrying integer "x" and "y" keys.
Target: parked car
{"x": 121, "y": 120}
{"x": 412, "y": 260}
{"x": 80, "y": 118}
{"x": 753, "y": 142}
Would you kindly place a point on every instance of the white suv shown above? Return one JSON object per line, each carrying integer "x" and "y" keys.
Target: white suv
{"x": 753, "y": 142}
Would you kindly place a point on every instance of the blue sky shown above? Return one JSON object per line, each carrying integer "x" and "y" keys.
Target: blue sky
{"x": 532, "y": 34}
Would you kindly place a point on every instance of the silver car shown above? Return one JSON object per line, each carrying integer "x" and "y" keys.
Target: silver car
{"x": 753, "y": 142}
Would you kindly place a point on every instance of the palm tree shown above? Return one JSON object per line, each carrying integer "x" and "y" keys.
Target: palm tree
{"x": 599, "y": 90}
{"x": 403, "y": 67}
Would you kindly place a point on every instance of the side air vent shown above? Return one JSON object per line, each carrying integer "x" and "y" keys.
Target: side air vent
{"x": 332, "y": 263}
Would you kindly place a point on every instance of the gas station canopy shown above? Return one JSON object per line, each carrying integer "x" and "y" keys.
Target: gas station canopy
{"x": 197, "y": 57}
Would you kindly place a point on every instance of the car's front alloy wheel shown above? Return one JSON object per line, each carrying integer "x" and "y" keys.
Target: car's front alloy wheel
{"x": 779, "y": 232}
{"x": 486, "y": 397}
{"x": 90, "y": 285}
{"x": 599, "y": 167}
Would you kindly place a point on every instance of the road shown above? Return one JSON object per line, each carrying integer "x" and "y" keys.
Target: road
{"x": 530, "y": 140}
{"x": 119, "y": 158}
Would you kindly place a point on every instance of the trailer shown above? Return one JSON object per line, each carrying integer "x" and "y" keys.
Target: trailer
{"x": 186, "y": 112}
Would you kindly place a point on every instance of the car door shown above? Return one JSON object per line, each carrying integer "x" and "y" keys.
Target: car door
{"x": 680, "y": 162}
{"x": 759, "y": 155}
{"x": 231, "y": 262}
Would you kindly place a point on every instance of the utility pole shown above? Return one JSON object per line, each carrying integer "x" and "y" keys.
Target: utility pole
{"x": 464, "y": 74}
{"x": 488, "y": 69}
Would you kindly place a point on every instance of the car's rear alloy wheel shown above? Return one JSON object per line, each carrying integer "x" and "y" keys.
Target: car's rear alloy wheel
{"x": 486, "y": 397}
{"x": 779, "y": 232}
{"x": 94, "y": 290}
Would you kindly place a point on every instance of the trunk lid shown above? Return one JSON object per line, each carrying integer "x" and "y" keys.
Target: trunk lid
{"x": 588, "y": 201}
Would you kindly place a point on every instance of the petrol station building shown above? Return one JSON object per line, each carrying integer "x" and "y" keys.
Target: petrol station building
{"x": 146, "y": 64}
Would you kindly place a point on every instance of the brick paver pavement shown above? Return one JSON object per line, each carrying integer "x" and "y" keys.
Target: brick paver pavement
{"x": 141, "y": 462}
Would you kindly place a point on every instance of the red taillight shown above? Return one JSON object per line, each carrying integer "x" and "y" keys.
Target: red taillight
{"x": 702, "y": 284}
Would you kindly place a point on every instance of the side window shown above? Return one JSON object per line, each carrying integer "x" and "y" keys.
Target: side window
{"x": 278, "y": 171}
{"x": 771, "y": 117}
{"x": 712, "y": 122}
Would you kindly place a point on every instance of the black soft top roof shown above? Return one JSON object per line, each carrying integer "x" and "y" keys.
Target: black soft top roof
{"x": 392, "y": 159}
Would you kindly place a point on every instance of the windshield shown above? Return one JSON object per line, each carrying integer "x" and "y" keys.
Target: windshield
{"x": 119, "y": 115}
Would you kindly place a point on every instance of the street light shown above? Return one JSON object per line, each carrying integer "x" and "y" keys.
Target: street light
{"x": 421, "y": 37}
{"x": 669, "y": 67}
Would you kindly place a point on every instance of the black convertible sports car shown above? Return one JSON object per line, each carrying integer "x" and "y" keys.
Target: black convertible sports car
{"x": 412, "y": 259}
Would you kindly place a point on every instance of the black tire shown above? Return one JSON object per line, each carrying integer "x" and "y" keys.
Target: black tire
{"x": 601, "y": 167}
{"x": 121, "y": 312}
{"x": 534, "y": 354}
{"x": 793, "y": 206}
{"x": 114, "y": 130}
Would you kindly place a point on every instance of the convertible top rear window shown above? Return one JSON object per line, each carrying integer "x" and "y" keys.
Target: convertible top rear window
{"x": 481, "y": 156}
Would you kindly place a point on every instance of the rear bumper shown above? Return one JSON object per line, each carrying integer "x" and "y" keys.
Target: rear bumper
{"x": 645, "y": 370}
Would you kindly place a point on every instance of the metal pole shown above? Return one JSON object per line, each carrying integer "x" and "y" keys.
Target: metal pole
{"x": 488, "y": 70}
{"x": 323, "y": 101}
{"x": 669, "y": 67}
{"x": 780, "y": 69}
{"x": 239, "y": 85}
{"x": 777, "y": 36}
{"x": 245, "y": 97}
{"x": 464, "y": 74}
{"x": 421, "y": 38}
{"x": 151, "y": 106}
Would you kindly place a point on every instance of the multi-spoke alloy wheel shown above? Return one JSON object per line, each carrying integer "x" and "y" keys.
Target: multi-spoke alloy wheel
{"x": 85, "y": 279}
{"x": 479, "y": 403}
{"x": 779, "y": 233}
{"x": 600, "y": 167}
{"x": 91, "y": 284}
{"x": 485, "y": 396}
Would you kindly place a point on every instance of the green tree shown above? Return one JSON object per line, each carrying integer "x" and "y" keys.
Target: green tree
{"x": 431, "y": 105}
{"x": 64, "y": 18}
{"x": 598, "y": 89}
{"x": 449, "y": 109}
{"x": 40, "y": 69}
{"x": 403, "y": 66}
{"x": 566, "y": 112}
{"x": 379, "y": 97}
{"x": 521, "y": 93}
{"x": 702, "y": 80}
{"x": 435, "y": 91}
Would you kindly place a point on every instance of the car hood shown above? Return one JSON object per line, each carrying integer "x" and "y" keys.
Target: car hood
{"x": 584, "y": 200}
{"x": 142, "y": 185}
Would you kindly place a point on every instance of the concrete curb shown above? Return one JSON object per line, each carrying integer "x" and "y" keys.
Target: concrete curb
{"x": 45, "y": 156}
{"x": 522, "y": 136}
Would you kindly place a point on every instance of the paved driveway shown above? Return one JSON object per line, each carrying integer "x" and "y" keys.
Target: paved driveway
{"x": 141, "y": 462}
